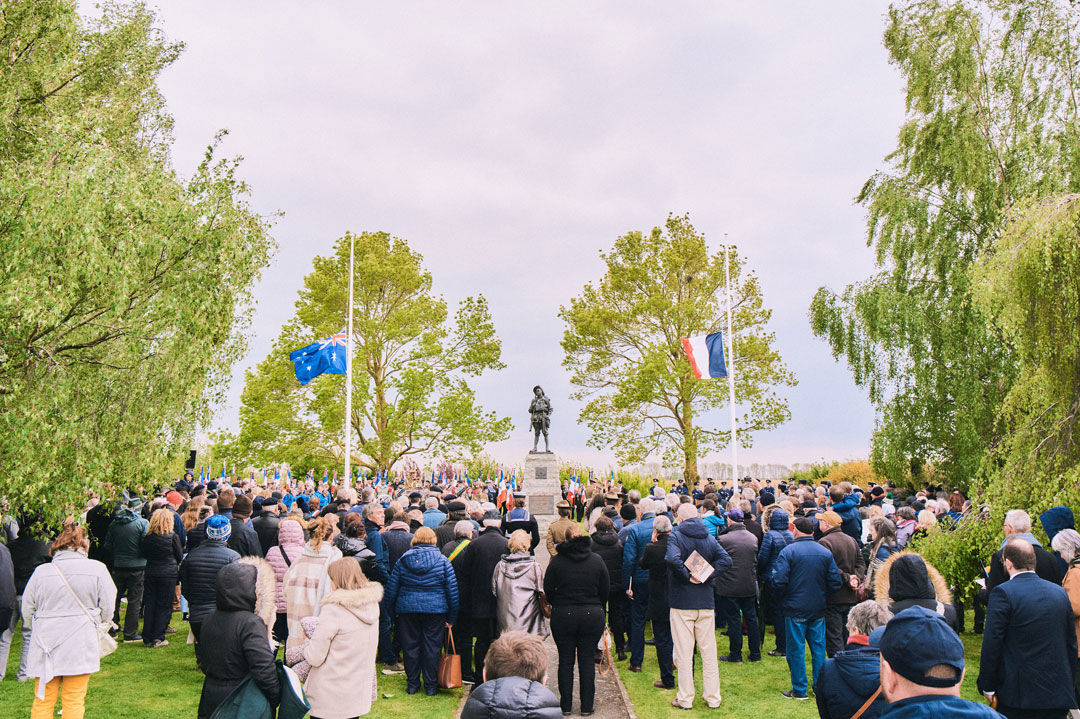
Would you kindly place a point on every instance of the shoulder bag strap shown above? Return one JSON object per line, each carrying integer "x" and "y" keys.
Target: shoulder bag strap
{"x": 94, "y": 623}
{"x": 867, "y": 703}
{"x": 288, "y": 562}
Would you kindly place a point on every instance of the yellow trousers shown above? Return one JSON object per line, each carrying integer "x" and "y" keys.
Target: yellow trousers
{"x": 72, "y": 691}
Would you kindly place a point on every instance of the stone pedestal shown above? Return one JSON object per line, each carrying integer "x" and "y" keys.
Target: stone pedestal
{"x": 542, "y": 488}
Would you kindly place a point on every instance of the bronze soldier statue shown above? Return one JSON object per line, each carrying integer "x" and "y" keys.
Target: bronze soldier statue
{"x": 540, "y": 410}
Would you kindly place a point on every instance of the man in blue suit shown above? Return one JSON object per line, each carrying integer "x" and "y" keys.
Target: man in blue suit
{"x": 1029, "y": 644}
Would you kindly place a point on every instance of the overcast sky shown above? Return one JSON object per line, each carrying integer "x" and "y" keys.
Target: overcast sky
{"x": 509, "y": 143}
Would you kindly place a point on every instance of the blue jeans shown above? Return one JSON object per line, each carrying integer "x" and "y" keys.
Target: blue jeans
{"x": 799, "y": 633}
{"x": 733, "y": 609}
{"x": 638, "y": 607}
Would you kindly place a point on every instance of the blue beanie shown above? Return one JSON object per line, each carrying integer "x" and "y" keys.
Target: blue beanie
{"x": 217, "y": 527}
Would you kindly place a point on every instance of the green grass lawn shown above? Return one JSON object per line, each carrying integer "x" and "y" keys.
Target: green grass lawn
{"x": 752, "y": 690}
{"x": 140, "y": 683}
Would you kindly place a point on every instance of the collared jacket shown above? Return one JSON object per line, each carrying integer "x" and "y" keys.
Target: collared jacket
{"x": 123, "y": 540}
{"x": 804, "y": 575}
{"x": 397, "y": 539}
{"x": 266, "y": 529}
{"x": 606, "y": 544}
{"x": 851, "y": 520}
{"x": 846, "y": 681}
{"x": 741, "y": 546}
{"x": 423, "y": 582}
{"x": 653, "y": 560}
{"x": 637, "y": 538}
{"x": 689, "y": 537}
{"x": 478, "y": 567}
{"x": 933, "y": 706}
{"x": 773, "y": 543}
{"x": 849, "y": 561}
{"x": 198, "y": 576}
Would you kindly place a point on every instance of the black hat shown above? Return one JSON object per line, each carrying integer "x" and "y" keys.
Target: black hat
{"x": 436, "y": 489}
{"x": 805, "y": 525}
{"x": 414, "y": 495}
{"x": 917, "y": 639}
{"x": 456, "y": 506}
{"x": 766, "y": 498}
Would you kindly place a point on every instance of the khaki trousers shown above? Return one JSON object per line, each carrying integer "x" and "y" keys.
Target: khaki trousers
{"x": 687, "y": 627}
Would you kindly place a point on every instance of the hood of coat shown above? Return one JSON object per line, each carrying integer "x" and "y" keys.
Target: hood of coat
{"x": 362, "y": 603}
{"x": 350, "y": 546}
{"x": 693, "y": 528}
{"x": 578, "y": 549}
{"x": 906, "y": 575}
{"x": 517, "y": 564}
{"x": 396, "y": 525}
{"x": 778, "y": 520}
{"x": 125, "y": 516}
{"x": 291, "y": 533}
{"x": 605, "y": 539}
{"x": 265, "y": 588}
{"x": 1056, "y": 519}
{"x": 236, "y": 587}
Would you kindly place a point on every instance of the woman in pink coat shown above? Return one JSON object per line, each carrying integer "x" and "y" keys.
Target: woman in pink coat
{"x": 288, "y": 549}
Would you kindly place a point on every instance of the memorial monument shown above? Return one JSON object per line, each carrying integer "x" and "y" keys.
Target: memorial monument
{"x": 542, "y": 486}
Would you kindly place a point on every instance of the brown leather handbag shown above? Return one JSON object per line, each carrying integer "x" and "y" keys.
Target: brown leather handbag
{"x": 545, "y": 605}
{"x": 449, "y": 672}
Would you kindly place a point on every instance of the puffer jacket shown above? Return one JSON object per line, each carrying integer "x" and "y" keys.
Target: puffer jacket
{"x": 606, "y": 544}
{"x": 689, "y": 537}
{"x": 846, "y": 681}
{"x": 291, "y": 543}
{"x": 804, "y": 575}
{"x": 198, "y": 576}
{"x": 163, "y": 553}
{"x": 741, "y": 546}
{"x": 637, "y": 538}
{"x": 773, "y": 543}
{"x": 423, "y": 582}
{"x": 123, "y": 541}
{"x": 359, "y": 550}
{"x": 576, "y": 576}
{"x": 906, "y": 579}
{"x": 239, "y": 646}
{"x": 512, "y": 698}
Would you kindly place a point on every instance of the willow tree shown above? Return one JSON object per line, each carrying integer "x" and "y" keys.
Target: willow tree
{"x": 124, "y": 288}
{"x": 991, "y": 120}
{"x": 622, "y": 345}
{"x": 411, "y": 362}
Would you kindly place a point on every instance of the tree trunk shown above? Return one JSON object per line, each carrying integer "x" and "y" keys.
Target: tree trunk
{"x": 690, "y": 448}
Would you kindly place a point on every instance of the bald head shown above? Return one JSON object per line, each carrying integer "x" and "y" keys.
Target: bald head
{"x": 686, "y": 511}
{"x": 1019, "y": 556}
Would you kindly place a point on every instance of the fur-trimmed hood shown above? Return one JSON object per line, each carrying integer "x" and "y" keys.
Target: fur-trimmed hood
{"x": 362, "y": 603}
{"x": 265, "y": 588}
{"x": 909, "y": 576}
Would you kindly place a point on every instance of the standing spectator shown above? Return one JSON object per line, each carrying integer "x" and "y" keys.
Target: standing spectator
{"x": 351, "y": 543}
{"x": 906, "y": 524}
{"x": 123, "y": 542}
{"x": 461, "y": 629}
{"x": 423, "y": 594}
{"x": 605, "y": 542}
{"x": 432, "y": 516}
{"x": 577, "y": 587}
{"x": 287, "y": 548}
{"x": 28, "y": 552}
{"x": 396, "y": 538}
{"x": 306, "y": 582}
{"x": 852, "y": 571}
{"x": 515, "y": 675}
{"x": 7, "y": 589}
{"x": 805, "y": 574}
{"x": 242, "y": 538}
{"x": 736, "y": 590}
{"x": 163, "y": 551}
{"x": 477, "y": 570}
{"x": 850, "y": 678}
{"x": 693, "y": 606}
{"x": 557, "y": 529}
{"x": 1018, "y": 525}
{"x": 516, "y": 584}
{"x": 341, "y": 652}
{"x": 374, "y": 518}
{"x": 444, "y": 533}
{"x": 520, "y": 518}
{"x": 239, "y": 646}
{"x": 199, "y": 570}
{"x": 1066, "y": 543}
{"x": 659, "y": 611}
{"x": 1029, "y": 649}
{"x": 635, "y": 580}
{"x": 64, "y": 603}
{"x": 266, "y": 524}
{"x": 907, "y": 580}
{"x": 773, "y": 543}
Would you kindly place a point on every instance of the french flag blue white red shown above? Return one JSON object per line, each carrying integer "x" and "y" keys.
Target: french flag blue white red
{"x": 706, "y": 355}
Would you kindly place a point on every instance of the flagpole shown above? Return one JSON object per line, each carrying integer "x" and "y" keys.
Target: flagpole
{"x": 348, "y": 370}
{"x": 731, "y": 367}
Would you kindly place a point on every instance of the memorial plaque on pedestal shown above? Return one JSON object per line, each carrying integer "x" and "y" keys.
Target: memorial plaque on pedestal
{"x": 541, "y": 504}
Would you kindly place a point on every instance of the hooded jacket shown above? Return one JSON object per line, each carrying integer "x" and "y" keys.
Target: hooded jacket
{"x": 516, "y": 584}
{"x": 423, "y": 582}
{"x": 397, "y": 538}
{"x": 341, "y": 653}
{"x": 688, "y": 537}
{"x": 845, "y": 683}
{"x": 239, "y": 646}
{"x": 123, "y": 541}
{"x": 358, "y": 549}
{"x": 851, "y": 520}
{"x": 606, "y": 544}
{"x": 1056, "y": 519}
{"x": 714, "y": 523}
{"x": 906, "y": 580}
{"x": 576, "y": 576}
{"x": 511, "y": 698}
{"x": 741, "y": 546}
{"x": 290, "y": 543}
{"x": 804, "y": 574}
{"x": 773, "y": 543}
{"x": 198, "y": 576}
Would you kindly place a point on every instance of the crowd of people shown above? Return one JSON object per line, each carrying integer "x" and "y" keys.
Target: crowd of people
{"x": 342, "y": 584}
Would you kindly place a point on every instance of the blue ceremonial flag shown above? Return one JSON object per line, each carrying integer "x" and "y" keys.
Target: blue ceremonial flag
{"x": 323, "y": 357}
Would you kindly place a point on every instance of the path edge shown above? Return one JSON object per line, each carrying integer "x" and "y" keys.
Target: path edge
{"x": 627, "y": 705}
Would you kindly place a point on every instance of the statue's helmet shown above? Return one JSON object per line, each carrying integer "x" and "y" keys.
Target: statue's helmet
{"x": 538, "y": 387}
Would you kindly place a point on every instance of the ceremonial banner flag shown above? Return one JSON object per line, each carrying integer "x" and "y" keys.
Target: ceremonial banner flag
{"x": 706, "y": 355}
{"x": 323, "y": 357}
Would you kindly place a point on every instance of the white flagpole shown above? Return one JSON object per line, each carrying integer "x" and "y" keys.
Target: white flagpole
{"x": 348, "y": 372}
{"x": 731, "y": 368}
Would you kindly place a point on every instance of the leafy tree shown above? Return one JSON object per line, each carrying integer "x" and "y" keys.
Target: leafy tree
{"x": 991, "y": 120}
{"x": 622, "y": 344}
{"x": 124, "y": 289}
{"x": 410, "y": 363}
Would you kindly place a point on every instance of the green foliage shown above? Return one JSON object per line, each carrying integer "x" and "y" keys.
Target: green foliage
{"x": 991, "y": 120}
{"x": 410, "y": 364}
{"x": 622, "y": 345}
{"x": 125, "y": 289}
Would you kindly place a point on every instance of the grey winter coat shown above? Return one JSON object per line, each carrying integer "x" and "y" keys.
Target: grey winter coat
{"x": 516, "y": 584}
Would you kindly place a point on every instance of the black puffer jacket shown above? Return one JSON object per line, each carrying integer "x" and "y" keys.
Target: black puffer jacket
{"x": 606, "y": 544}
{"x": 576, "y": 576}
{"x": 198, "y": 576}
{"x": 163, "y": 553}
{"x": 238, "y": 646}
{"x": 361, "y": 552}
{"x": 512, "y": 698}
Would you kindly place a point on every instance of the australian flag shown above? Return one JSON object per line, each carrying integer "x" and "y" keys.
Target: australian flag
{"x": 323, "y": 357}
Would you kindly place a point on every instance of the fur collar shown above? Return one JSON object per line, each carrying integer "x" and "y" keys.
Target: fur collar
{"x": 881, "y": 581}
{"x": 265, "y": 588}
{"x": 371, "y": 594}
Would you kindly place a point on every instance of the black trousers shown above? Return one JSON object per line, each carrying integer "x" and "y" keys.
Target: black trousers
{"x": 463, "y": 645}
{"x": 421, "y": 642}
{"x": 577, "y": 630}
{"x": 129, "y": 582}
{"x": 483, "y": 629}
{"x": 619, "y": 618}
{"x": 735, "y": 609}
{"x": 281, "y": 627}
{"x": 665, "y": 648}
{"x": 836, "y": 627}
{"x": 158, "y": 593}
{"x": 1014, "y": 713}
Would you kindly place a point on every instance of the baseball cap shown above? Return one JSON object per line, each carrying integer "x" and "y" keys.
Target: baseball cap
{"x": 917, "y": 639}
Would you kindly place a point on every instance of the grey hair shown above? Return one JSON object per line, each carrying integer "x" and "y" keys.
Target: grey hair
{"x": 661, "y": 525}
{"x": 472, "y": 506}
{"x": 647, "y": 505}
{"x": 927, "y": 517}
{"x": 867, "y": 616}
{"x": 431, "y": 503}
{"x": 634, "y": 496}
{"x": 463, "y": 529}
{"x": 368, "y": 495}
{"x": 369, "y": 509}
{"x": 1019, "y": 520}
{"x": 1067, "y": 544}
{"x": 672, "y": 500}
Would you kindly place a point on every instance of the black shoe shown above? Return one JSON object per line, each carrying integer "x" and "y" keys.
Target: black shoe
{"x": 622, "y": 656}
{"x": 133, "y": 639}
{"x": 729, "y": 659}
{"x": 755, "y": 659}
{"x": 432, "y": 692}
{"x": 775, "y": 653}
{"x": 634, "y": 669}
{"x": 794, "y": 695}
{"x": 411, "y": 690}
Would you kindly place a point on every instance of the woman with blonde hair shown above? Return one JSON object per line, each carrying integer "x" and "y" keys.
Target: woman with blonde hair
{"x": 423, "y": 593}
{"x": 191, "y": 516}
{"x": 163, "y": 551}
{"x": 517, "y": 583}
{"x": 66, "y": 603}
{"x": 342, "y": 649}
{"x": 305, "y": 582}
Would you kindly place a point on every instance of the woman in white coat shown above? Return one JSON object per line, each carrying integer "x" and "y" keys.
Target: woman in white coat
{"x": 341, "y": 652}
{"x": 64, "y": 603}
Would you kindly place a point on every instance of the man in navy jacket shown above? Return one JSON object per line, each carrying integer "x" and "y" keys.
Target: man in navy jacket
{"x": 1029, "y": 644}
{"x": 804, "y": 575}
